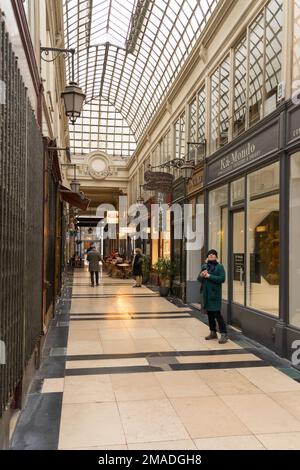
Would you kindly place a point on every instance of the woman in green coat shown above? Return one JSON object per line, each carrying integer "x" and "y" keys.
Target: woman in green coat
{"x": 212, "y": 276}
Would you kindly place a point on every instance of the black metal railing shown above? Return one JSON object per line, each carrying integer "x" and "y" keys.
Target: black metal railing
{"x": 21, "y": 204}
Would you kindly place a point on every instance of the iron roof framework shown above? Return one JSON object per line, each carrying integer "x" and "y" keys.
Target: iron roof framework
{"x": 129, "y": 53}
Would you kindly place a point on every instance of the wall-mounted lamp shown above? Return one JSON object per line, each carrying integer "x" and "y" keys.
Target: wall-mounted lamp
{"x": 73, "y": 95}
{"x": 75, "y": 184}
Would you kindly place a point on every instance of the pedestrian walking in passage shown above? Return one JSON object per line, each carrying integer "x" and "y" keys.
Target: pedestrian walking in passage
{"x": 212, "y": 276}
{"x": 94, "y": 258}
{"x": 137, "y": 267}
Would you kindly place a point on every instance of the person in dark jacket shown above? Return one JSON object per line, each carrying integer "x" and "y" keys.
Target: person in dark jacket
{"x": 94, "y": 258}
{"x": 137, "y": 267}
{"x": 212, "y": 276}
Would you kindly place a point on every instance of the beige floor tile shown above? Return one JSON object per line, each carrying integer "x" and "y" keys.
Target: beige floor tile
{"x": 227, "y": 382}
{"x": 261, "y": 414}
{"x": 140, "y": 386}
{"x": 151, "y": 421}
{"x": 270, "y": 379}
{"x": 94, "y": 324}
{"x": 183, "y": 384}
{"x": 290, "y": 401}
{"x": 118, "y": 346}
{"x": 120, "y": 362}
{"x": 208, "y": 417}
{"x": 229, "y": 443}
{"x": 183, "y": 344}
{"x": 84, "y": 347}
{"x": 281, "y": 441}
{"x": 114, "y": 333}
{"x": 90, "y": 424}
{"x": 174, "y": 332}
{"x": 217, "y": 359}
{"x": 185, "y": 444}
{"x": 53, "y": 386}
{"x": 88, "y": 389}
{"x": 152, "y": 345}
{"x": 123, "y": 305}
{"x": 141, "y": 333}
{"x": 84, "y": 335}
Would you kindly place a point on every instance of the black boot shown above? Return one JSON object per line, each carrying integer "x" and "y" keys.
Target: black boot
{"x": 212, "y": 335}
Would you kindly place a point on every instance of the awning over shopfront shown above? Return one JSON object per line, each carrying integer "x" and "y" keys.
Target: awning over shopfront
{"x": 74, "y": 199}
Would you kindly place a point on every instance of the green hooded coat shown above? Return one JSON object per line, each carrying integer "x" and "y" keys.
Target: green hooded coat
{"x": 211, "y": 288}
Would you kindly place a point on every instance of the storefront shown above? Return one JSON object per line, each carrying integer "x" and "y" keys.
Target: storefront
{"x": 292, "y": 231}
{"x": 253, "y": 223}
{"x": 178, "y": 244}
{"x": 195, "y": 255}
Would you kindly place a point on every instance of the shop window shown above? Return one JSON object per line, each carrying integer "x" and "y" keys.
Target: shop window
{"x": 196, "y": 258}
{"x": 218, "y": 228}
{"x": 265, "y": 59}
{"x": 240, "y": 74}
{"x": 294, "y": 241}
{"x": 263, "y": 239}
{"x": 256, "y": 63}
{"x": 237, "y": 191}
{"x": 220, "y": 105}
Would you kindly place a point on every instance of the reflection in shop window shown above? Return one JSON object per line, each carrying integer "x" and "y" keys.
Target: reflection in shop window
{"x": 218, "y": 227}
{"x": 196, "y": 258}
{"x": 263, "y": 239}
{"x": 295, "y": 241}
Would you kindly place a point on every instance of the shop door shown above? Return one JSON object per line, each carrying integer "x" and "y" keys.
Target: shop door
{"x": 237, "y": 275}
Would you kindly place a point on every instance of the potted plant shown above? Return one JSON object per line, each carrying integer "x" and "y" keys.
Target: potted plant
{"x": 164, "y": 268}
{"x": 145, "y": 268}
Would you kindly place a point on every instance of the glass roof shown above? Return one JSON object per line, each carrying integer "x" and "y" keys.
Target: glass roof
{"x": 128, "y": 53}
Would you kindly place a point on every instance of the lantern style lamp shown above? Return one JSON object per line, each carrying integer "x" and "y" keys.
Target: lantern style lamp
{"x": 73, "y": 97}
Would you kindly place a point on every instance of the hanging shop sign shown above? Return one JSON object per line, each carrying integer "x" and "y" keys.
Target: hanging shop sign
{"x": 293, "y": 124}
{"x": 260, "y": 145}
{"x": 158, "y": 181}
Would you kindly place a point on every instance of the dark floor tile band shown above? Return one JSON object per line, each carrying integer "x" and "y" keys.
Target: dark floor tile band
{"x": 112, "y": 370}
{"x": 91, "y": 357}
{"x": 219, "y": 365}
{"x": 174, "y": 367}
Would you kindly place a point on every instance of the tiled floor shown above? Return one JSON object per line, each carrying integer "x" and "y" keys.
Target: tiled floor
{"x": 139, "y": 375}
{"x": 245, "y": 407}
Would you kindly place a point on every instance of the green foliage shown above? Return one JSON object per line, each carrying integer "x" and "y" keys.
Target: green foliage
{"x": 145, "y": 264}
{"x": 164, "y": 267}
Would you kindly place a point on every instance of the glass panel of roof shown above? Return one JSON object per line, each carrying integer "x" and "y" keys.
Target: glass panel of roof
{"x": 133, "y": 81}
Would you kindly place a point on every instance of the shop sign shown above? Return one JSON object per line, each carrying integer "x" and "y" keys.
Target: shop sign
{"x": 294, "y": 124}
{"x": 179, "y": 190}
{"x": 255, "y": 149}
{"x": 158, "y": 181}
{"x": 196, "y": 182}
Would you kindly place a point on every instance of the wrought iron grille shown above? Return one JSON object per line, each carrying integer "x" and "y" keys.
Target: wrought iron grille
{"x": 50, "y": 262}
{"x": 21, "y": 182}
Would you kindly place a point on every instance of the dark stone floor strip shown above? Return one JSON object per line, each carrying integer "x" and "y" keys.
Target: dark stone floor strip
{"x": 221, "y": 352}
{"x": 218, "y": 365}
{"x": 111, "y": 370}
{"x": 38, "y": 425}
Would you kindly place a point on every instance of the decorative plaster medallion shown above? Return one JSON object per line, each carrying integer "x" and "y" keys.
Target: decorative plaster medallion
{"x": 98, "y": 167}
